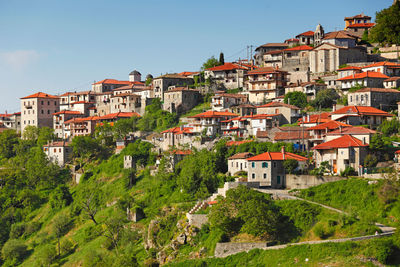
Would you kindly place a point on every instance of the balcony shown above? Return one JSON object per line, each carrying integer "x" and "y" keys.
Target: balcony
{"x": 28, "y": 106}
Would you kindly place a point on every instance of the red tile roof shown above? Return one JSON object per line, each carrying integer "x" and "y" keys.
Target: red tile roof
{"x": 179, "y": 130}
{"x": 229, "y": 66}
{"x": 244, "y": 155}
{"x": 317, "y": 118}
{"x": 349, "y": 68}
{"x": 182, "y": 152}
{"x": 381, "y": 63}
{"x": 308, "y": 33}
{"x": 119, "y": 115}
{"x": 361, "y": 25}
{"x": 392, "y": 79}
{"x": 214, "y": 114}
{"x": 277, "y": 104}
{"x": 78, "y": 120}
{"x": 57, "y": 144}
{"x": 113, "y": 81}
{"x": 265, "y": 70}
{"x": 362, "y": 75}
{"x": 359, "y": 16}
{"x": 40, "y": 95}
{"x": 188, "y": 73}
{"x": 292, "y": 135}
{"x": 378, "y": 90}
{"x": 361, "y": 110}
{"x": 70, "y": 112}
{"x": 237, "y": 143}
{"x": 342, "y": 142}
{"x": 338, "y": 35}
{"x": 330, "y": 125}
{"x": 352, "y": 131}
{"x": 299, "y": 48}
{"x": 292, "y": 40}
{"x": 269, "y": 156}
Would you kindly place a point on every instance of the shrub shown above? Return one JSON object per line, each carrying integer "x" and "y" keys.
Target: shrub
{"x": 60, "y": 197}
{"x": 67, "y": 246}
{"x": 46, "y": 255}
{"x": 14, "y": 251}
{"x": 17, "y": 230}
{"x": 348, "y": 171}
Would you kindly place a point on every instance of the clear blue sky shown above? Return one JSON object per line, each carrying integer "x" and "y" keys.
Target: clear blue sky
{"x": 55, "y": 46}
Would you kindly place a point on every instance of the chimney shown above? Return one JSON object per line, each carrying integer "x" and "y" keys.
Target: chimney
{"x": 308, "y": 117}
{"x": 283, "y": 152}
{"x": 334, "y": 108}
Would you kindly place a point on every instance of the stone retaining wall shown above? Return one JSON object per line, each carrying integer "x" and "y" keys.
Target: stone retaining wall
{"x": 197, "y": 219}
{"x": 225, "y": 249}
{"x": 305, "y": 181}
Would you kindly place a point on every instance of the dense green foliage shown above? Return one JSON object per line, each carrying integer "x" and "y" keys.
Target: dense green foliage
{"x": 337, "y": 254}
{"x": 387, "y": 28}
{"x": 298, "y": 99}
{"x": 156, "y": 119}
{"x": 325, "y": 98}
{"x": 211, "y": 62}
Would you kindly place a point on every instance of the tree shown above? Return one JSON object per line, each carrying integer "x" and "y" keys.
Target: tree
{"x": 221, "y": 59}
{"x": 387, "y": 28}
{"x": 86, "y": 148}
{"x": 149, "y": 80}
{"x": 389, "y": 127}
{"x": 123, "y": 127}
{"x": 8, "y": 140}
{"x": 246, "y": 211}
{"x": 60, "y": 197}
{"x": 290, "y": 165}
{"x": 30, "y": 133}
{"x": 325, "y": 98}
{"x": 377, "y": 142}
{"x": 298, "y": 99}
{"x": 46, "y": 255}
{"x": 60, "y": 228}
{"x": 370, "y": 161}
{"x": 14, "y": 251}
{"x": 356, "y": 87}
{"x": 211, "y": 62}
{"x": 45, "y": 135}
{"x": 113, "y": 227}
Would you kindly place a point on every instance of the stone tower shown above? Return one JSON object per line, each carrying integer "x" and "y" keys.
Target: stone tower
{"x": 318, "y": 35}
{"x": 135, "y": 76}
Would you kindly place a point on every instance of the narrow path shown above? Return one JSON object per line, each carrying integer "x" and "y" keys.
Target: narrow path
{"x": 284, "y": 194}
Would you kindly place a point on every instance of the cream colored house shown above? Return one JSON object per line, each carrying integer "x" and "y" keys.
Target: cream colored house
{"x": 238, "y": 162}
{"x": 37, "y": 110}
{"x": 58, "y": 152}
{"x": 342, "y": 152}
{"x": 290, "y": 113}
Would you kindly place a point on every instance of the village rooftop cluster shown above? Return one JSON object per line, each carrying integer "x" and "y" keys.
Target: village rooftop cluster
{"x": 308, "y": 62}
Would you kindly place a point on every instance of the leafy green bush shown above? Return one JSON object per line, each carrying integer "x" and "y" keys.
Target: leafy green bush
{"x": 46, "y": 255}
{"x": 14, "y": 251}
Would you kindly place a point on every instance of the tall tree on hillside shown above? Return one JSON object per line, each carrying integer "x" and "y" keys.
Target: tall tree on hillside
{"x": 387, "y": 28}
{"x": 211, "y": 62}
{"x": 221, "y": 58}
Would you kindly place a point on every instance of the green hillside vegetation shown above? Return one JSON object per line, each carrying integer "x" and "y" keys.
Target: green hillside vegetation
{"x": 46, "y": 219}
{"x": 371, "y": 202}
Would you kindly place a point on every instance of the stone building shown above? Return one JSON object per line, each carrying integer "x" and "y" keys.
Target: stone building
{"x": 290, "y": 113}
{"x": 369, "y": 79}
{"x": 135, "y": 76}
{"x": 342, "y": 152}
{"x": 11, "y": 121}
{"x": 295, "y": 61}
{"x": 360, "y": 115}
{"x": 387, "y": 68}
{"x": 328, "y": 57}
{"x": 229, "y": 75}
{"x": 339, "y": 38}
{"x": 162, "y": 83}
{"x": 37, "y": 110}
{"x": 58, "y": 152}
{"x": 180, "y": 99}
{"x": 209, "y": 122}
{"x": 392, "y": 82}
{"x": 108, "y": 85}
{"x": 68, "y": 99}
{"x": 306, "y": 38}
{"x": 381, "y": 98}
{"x": 263, "y": 50}
{"x": 125, "y": 102}
{"x": 223, "y": 101}
{"x": 268, "y": 169}
{"x": 238, "y": 162}
{"x": 319, "y": 34}
{"x": 58, "y": 122}
{"x": 265, "y": 84}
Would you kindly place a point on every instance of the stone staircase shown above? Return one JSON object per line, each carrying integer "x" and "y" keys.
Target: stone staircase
{"x": 199, "y": 205}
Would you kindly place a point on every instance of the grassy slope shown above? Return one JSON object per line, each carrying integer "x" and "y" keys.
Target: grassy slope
{"x": 331, "y": 254}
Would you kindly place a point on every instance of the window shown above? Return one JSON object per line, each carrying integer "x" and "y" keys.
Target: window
{"x": 274, "y": 164}
{"x": 253, "y": 165}
{"x": 278, "y": 179}
{"x": 42, "y": 111}
{"x": 253, "y": 176}
{"x": 265, "y": 176}
{"x": 48, "y": 112}
{"x": 55, "y": 150}
{"x": 265, "y": 164}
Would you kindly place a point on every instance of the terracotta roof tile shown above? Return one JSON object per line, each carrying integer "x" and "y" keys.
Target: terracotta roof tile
{"x": 228, "y": 66}
{"x": 292, "y": 135}
{"x": 40, "y": 95}
{"x": 361, "y": 110}
{"x": 299, "y": 48}
{"x": 237, "y": 143}
{"x": 379, "y": 90}
{"x": 269, "y": 156}
{"x": 342, "y": 142}
{"x": 113, "y": 81}
{"x": 214, "y": 114}
{"x": 244, "y": 155}
{"x": 308, "y": 33}
{"x": 277, "y": 104}
{"x": 349, "y": 68}
{"x": 352, "y": 131}
{"x": 330, "y": 125}
{"x": 361, "y": 25}
{"x": 362, "y": 75}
